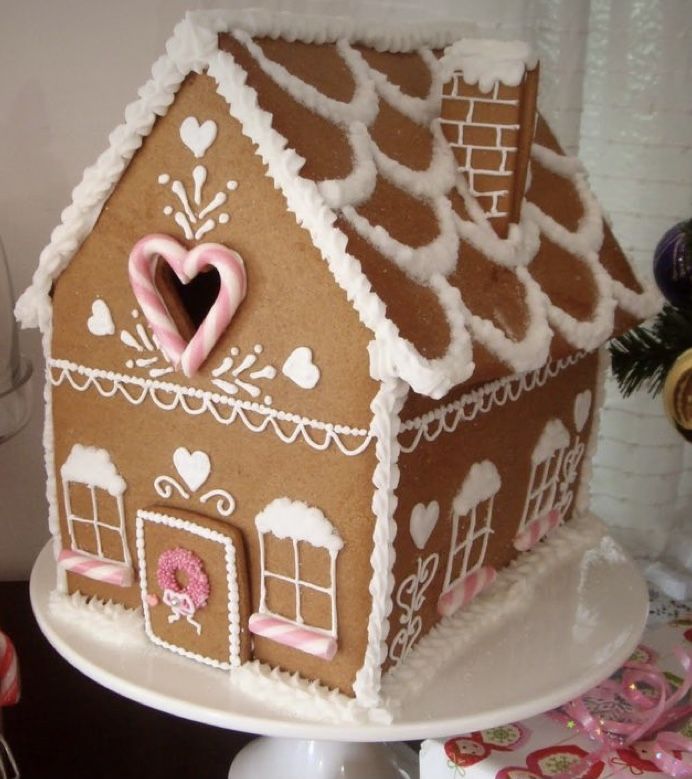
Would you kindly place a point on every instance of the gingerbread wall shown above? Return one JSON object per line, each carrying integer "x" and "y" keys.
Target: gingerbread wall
{"x": 292, "y": 300}
{"x": 115, "y": 391}
{"x": 433, "y": 471}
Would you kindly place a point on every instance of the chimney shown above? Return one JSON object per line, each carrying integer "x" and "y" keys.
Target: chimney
{"x": 488, "y": 116}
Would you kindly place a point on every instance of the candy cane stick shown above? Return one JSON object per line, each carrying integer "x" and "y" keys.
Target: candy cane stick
{"x": 291, "y": 635}
{"x": 231, "y": 293}
{"x": 141, "y": 269}
{"x": 186, "y": 265}
{"x": 463, "y": 592}
{"x": 9, "y": 672}
{"x": 536, "y": 530}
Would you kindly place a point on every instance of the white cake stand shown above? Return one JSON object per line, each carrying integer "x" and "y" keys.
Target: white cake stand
{"x": 578, "y": 637}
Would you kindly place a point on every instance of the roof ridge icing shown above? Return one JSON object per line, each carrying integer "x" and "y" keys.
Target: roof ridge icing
{"x": 194, "y": 48}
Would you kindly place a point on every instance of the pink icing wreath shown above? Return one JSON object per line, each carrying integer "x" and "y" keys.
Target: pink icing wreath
{"x": 184, "y": 560}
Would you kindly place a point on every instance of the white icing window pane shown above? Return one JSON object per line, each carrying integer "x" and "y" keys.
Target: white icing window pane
{"x": 111, "y": 544}
{"x": 281, "y": 597}
{"x": 546, "y": 502}
{"x": 85, "y": 537}
{"x": 80, "y": 500}
{"x": 315, "y": 561}
{"x": 316, "y": 608}
{"x": 459, "y": 552}
{"x": 476, "y": 555}
{"x": 279, "y": 557}
{"x": 107, "y": 507}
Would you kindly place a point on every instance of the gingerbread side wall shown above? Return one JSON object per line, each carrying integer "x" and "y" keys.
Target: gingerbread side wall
{"x": 474, "y": 480}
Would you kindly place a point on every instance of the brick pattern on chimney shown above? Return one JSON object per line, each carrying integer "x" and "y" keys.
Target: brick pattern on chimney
{"x": 483, "y": 131}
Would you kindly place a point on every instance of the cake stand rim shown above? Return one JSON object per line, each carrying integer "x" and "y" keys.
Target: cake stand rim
{"x": 274, "y": 723}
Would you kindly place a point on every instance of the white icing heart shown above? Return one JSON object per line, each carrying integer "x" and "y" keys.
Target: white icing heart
{"x": 300, "y": 368}
{"x": 197, "y": 137}
{"x": 193, "y": 467}
{"x": 423, "y": 520}
{"x": 582, "y": 406}
{"x": 100, "y": 322}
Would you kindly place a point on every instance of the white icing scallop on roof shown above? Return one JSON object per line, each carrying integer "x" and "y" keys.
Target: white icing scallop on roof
{"x": 296, "y": 520}
{"x": 194, "y": 47}
{"x": 92, "y": 466}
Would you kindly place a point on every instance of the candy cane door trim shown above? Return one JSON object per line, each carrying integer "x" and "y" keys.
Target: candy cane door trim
{"x": 194, "y": 582}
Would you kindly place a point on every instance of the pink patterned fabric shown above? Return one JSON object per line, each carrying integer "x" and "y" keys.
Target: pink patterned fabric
{"x": 173, "y": 560}
{"x": 464, "y": 591}
{"x": 288, "y": 634}
{"x": 186, "y": 265}
{"x": 537, "y": 530}
{"x": 9, "y": 672}
{"x": 99, "y": 570}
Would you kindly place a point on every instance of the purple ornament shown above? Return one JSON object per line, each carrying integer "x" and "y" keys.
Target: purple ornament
{"x": 673, "y": 265}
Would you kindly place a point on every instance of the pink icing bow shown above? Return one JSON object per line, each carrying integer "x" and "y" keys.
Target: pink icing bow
{"x": 655, "y": 706}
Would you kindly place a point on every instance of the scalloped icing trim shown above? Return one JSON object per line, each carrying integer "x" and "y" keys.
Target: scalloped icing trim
{"x": 225, "y": 410}
{"x": 447, "y": 418}
{"x": 516, "y": 590}
{"x": 193, "y": 47}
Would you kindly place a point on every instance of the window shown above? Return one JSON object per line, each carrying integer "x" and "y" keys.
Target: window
{"x": 298, "y": 551}
{"x": 94, "y": 511}
{"x": 542, "y": 507}
{"x": 472, "y": 513}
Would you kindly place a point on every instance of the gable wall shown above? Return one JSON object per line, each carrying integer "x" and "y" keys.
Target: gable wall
{"x": 292, "y": 299}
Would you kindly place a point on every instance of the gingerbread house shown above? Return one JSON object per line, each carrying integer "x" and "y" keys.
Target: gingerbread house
{"x": 322, "y": 331}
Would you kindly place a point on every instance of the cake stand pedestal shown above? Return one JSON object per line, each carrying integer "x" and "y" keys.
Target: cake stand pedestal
{"x": 591, "y": 616}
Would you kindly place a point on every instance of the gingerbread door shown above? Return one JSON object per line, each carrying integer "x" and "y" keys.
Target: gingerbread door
{"x": 194, "y": 585}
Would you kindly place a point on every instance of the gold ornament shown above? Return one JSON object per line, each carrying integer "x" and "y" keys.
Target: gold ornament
{"x": 677, "y": 391}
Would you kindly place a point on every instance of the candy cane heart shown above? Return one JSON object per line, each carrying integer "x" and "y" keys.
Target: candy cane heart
{"x": 186, "y": 355}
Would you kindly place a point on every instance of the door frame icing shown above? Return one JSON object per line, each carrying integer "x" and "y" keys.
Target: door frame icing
{"x": 231, "y": 558}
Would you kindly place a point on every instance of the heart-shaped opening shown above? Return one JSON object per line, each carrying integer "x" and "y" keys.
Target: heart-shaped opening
{"x": 188, "y": 304}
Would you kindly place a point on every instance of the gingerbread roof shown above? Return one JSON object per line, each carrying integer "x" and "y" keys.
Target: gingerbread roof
{"x": 347, "y": 120}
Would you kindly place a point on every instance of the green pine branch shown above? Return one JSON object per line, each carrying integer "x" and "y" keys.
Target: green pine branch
{"x": 643, "y": 356}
